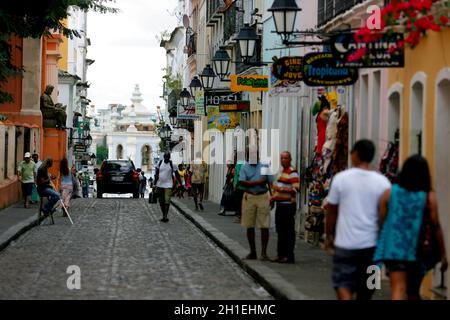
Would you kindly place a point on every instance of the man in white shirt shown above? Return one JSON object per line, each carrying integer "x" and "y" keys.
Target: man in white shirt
{"x": 352, "y": 222}
{"x": 164, "y": 182}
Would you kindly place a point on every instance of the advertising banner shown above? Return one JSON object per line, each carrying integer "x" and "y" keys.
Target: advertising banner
{"x": 250, "y": 83}
{"x": 187, "y": 113}
{"x": 222, "y": 120}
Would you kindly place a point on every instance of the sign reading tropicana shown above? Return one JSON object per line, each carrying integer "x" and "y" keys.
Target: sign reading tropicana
{"x": 319, "y": 69}
{"x": 252, "y": 83}
{"x": 288, "y": 68}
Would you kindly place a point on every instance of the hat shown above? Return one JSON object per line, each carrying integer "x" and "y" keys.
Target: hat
{"x": 27, "y": 155}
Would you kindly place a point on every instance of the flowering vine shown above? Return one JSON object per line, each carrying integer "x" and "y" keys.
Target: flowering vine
{"x": 413, "y": 18}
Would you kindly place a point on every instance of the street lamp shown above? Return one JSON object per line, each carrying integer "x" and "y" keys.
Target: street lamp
{"x": 88, "y": 141}
{"x": 221, "y": 63}
{"x": 185, "y": 98}
{"x": 246, "y": 39}
{"x": 207, "y": 77}
{"x": 195, "y": 86}
{"x": 284, "y": 14}
{"x": 173, "y": 117}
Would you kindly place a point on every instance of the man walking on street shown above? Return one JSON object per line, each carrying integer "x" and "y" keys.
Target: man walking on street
{"x": 285, "y": 190}
{"x": 256, "y": 205}
{"x": 45, "y": 186}
{"x": 164, "y": 178}
{"x": 142, "y": 184}
{"x": 352, "y": 214}
{"x": 27, "y": 175}
{"x": 85, "y": 184}
{"x": 198, "y": 181}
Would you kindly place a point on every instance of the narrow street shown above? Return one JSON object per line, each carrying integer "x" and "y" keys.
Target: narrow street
{"x": 123, "y": 252}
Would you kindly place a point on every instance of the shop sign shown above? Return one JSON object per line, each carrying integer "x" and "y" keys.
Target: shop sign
{"x": 283, "y": 88}
{"x": 222, "y": 121}
{"x": 79, "y": 148}
{"x": 234, "y": 106}
{"x": 383, "y": 53}
{"x": 200, "y": 103}
{"x": 214, "y": 98}
{"x": 319, "y": 69}
{"x": 187, "y": 113}
{"x": 251, "y": 83}
{"x": 288, "y": 68}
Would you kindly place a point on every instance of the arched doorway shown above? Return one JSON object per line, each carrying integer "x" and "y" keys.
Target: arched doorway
{"x": 119, "y": 152}
{"x": 146, "y": 156}
{"x": 416, "y": 119}
{"x": 394, "y": 115}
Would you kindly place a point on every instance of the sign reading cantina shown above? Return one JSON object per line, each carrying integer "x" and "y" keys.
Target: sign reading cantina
{"x": 382, "y": 53}
{"x": 319, "y": 69}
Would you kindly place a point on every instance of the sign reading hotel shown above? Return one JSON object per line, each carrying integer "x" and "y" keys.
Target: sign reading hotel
{"x": 214, "y": 98}
{"x": 383, "y": 53}
{"x": 288, "y": 68}
{"x": 234, "y": 106}
{"x": 251, "y": 83}
{"x": 319, "y": 69}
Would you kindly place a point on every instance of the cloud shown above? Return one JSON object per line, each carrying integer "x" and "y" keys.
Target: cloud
{"x": 126, "y": 52}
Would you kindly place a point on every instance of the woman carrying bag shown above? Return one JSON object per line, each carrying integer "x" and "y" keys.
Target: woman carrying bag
{"x": 227, "y": 203}
{"x": 411, "y": 241}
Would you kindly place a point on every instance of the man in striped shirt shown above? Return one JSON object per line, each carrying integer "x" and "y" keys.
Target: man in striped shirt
{"x": 284, "y": 194}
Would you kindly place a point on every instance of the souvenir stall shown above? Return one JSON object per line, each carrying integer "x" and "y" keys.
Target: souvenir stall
{"x": 331, "y": 157}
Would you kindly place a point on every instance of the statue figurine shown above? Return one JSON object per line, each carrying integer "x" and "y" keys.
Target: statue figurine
{"x": 52, "y": 112}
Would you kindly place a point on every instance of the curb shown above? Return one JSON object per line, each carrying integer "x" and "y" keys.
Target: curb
{"x": 16, "y": 231}
{"x": 275, "y": 284}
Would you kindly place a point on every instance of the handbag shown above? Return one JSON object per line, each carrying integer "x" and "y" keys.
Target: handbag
{"x": 428, "y": 249}
{"x": 153, "y": 196}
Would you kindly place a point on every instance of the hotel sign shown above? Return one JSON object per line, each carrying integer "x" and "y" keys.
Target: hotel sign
{"x": 251, "y": 83}
{"x": 383, "y": 53}
{"x": 319, "y": 69}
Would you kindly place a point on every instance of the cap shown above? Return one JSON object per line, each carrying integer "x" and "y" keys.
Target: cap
{"x": 27, "y": 155}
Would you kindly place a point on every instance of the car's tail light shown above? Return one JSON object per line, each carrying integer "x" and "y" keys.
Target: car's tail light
{"x": 100, "y": 175}
{"x": 135, "y": 175}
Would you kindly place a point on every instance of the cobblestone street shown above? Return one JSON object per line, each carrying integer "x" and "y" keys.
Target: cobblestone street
{"x": 124, "y": 252}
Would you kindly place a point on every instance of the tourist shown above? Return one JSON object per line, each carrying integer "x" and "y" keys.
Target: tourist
{"x": 228, "y": 202}
{"x": 27, "y": 175}
{"x": 66, "y": 182}
{"x": 198, "y": 182}
{"x": 164, "y": 181}
{"x": 34, "y": 193}
{"x": 142, "y": 184}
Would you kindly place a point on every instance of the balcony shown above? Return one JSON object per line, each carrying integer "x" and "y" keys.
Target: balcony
{"x": 230, "y": 28}
{"x": 329, "y": 9}
{"x": 213, "y": 11}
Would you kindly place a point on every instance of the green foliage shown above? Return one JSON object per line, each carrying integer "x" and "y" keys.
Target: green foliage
{"x": 173, "y": 83}
{"x": 27, "y": 18}
{"x": 102, "y": 154}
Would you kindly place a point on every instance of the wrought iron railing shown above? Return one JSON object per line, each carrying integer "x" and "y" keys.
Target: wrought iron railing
{"x": 229, "y": 24}
{"x": 212, "y": 7}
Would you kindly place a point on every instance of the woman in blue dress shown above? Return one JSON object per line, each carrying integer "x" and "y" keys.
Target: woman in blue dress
{"x": 403, "y": 210}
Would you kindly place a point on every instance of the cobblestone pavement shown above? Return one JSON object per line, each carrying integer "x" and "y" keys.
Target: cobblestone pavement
{"x": 124, "y": 252}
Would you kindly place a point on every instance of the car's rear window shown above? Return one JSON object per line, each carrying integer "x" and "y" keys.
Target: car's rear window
{"x": 117, "y": 166}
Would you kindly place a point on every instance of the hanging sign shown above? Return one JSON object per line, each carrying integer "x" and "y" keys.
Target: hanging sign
{"x": 79, "y": 148}
{"x": 187, "y": 113}
{"x": 383, "y": 53}
{"x": 283, "y": 88}
{"x": 234, "y": 106}
{"x": 319, "y": 69}
{"x": 214, "y": 98}
{"x": 200, "y": 103}
{"x": 288, "y": 68}
{"x": 251, "y": 83}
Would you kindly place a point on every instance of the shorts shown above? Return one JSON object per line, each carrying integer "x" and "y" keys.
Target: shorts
{"x": 164, "y": 195}
{"x": 198, "y": 188}
{"x": 255, "y": 211}
{"x": 27, "y": 188}
{"x": 350, "y": 270}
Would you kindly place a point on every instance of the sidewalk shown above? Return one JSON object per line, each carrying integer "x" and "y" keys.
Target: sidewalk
{"x": 310, "y": 276}
{"x": 16, "y": 220}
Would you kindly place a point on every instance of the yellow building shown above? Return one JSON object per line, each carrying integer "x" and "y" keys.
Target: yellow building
{"x": 419, "y": 98}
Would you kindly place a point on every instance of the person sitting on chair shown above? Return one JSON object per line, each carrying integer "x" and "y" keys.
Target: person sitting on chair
{"x": 45, "y": 186}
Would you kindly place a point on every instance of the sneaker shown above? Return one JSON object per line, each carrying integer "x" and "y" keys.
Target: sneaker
{"x": 201, "y": 206}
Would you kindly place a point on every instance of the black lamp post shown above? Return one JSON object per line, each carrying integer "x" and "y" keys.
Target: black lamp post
{"x": 195, "y": 86}
{"x": 246, "y": 39}
{"x": 221, "y": 63}
{"x": 173, "y": 117}
{"x": 284, "y": 14}
{"x": 207, "y": 77}
{"x": 185, "y": 98}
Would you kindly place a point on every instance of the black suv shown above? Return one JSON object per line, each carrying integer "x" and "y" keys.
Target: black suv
{"x": 117, "y": 176}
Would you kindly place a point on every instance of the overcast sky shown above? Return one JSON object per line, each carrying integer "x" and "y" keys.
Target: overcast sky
{"x": 126, "y": 52}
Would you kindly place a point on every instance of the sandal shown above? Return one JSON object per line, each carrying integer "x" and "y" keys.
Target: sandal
{"x": 265, "y": 258}
{"x": 250, "y": 256}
